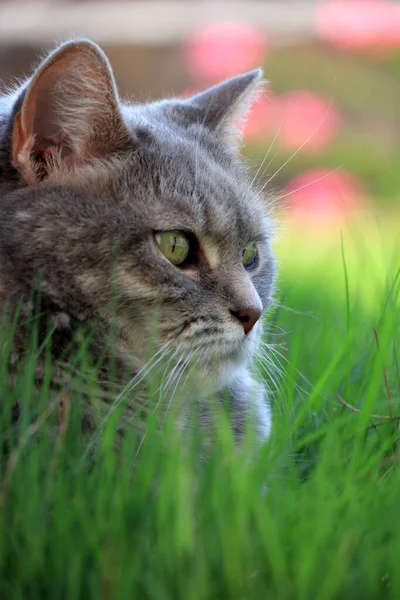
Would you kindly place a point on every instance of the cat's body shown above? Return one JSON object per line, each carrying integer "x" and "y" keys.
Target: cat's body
{"x": 91, "y": 191}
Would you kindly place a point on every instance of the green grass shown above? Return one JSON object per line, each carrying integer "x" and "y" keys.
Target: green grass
{"x": 154, "y": 523}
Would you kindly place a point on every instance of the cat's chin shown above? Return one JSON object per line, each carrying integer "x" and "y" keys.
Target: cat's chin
{"x": 217, "y": 366}
{"x": 211, "y": 378}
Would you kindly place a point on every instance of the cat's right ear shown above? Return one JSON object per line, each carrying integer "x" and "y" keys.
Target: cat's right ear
{"x": 224, "y": 107}
{"x": 69, "y": 114}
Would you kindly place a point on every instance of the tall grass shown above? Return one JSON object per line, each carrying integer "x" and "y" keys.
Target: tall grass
{"x": 84, "y": 520}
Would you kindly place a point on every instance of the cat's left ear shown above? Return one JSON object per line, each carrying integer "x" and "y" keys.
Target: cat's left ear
{"x": 225, "y": 106}
{"x": 69, "y": 113}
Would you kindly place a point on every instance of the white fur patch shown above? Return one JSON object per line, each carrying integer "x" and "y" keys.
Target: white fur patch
{"x": 212, "y": 254}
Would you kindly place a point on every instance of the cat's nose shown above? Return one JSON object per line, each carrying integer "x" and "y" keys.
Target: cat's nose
{"x": 247, "y": 317}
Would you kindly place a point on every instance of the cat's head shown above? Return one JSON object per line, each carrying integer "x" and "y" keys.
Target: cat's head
{"x": 150, "y": 204}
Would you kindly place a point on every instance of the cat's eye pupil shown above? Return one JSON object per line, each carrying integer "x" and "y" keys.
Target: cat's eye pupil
{"x": 175, "y": 246}
{"x": 249, "y": 256}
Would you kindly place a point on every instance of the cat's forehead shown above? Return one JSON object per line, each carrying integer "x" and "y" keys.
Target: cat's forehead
{"x": 192, "y": 178}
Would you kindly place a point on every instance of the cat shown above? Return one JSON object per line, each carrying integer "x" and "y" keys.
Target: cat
{"x": 151, "y": 204}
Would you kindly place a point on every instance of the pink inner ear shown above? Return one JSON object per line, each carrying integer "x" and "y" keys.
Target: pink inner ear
{"x": 70, "y": 111}
{"x": 58, "y": 147}
{"x": 40, "y": 114}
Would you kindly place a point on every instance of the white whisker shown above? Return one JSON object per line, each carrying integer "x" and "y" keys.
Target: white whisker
{"x": 299, "y": 373}
{"x": 271, "y": 146}
{"x": 144, "y": 371}
{"x": 299, "y": 148}
{"x": 160, "y": 389}
{"x": 177, "y": 375}
{"x": 311, "y": 183}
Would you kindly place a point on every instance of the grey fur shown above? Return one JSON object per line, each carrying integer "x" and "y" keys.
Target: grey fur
{"x": 88, "y": 232}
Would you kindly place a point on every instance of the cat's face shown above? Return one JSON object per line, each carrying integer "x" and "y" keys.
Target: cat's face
{"x": 195, "y": 249}
{"x": 168, "y": 225}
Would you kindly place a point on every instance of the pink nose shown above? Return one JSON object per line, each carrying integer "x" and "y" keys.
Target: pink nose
{"x": 247, "y": 317}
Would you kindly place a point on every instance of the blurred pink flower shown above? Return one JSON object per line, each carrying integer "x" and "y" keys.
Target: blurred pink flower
{"x": 322, "y": 197}
{"x": 359, "y": 24}
{"x": 298, "y": 118}
{"x": 261, "y": 122}
{"x": 306, "y": 119}
{"x": 224, "y": 49}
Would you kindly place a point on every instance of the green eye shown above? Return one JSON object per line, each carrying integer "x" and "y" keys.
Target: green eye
{"x": 174, "y": 245}
{"x": 249, "y": 256}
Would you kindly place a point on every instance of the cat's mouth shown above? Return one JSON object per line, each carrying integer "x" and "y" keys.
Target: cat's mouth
{"x": 215, "y": 337}
{"x": 212, "y": 363}
{"x": 214, "y": 352}
{"x": 205, "y": 353}
{"x": 215, "y": 346}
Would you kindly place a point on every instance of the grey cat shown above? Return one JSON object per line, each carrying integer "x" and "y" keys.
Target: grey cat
{"x": 150, "y": 204}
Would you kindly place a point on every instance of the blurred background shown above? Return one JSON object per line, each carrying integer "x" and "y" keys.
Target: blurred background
{"x": 324, "y": 139}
